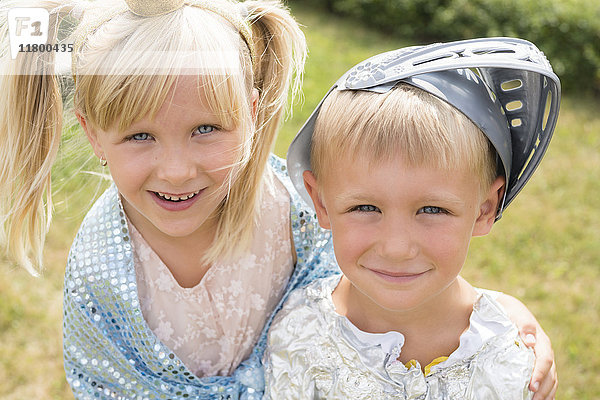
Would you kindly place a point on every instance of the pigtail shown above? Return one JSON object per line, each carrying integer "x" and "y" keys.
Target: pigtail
{"x": 279, "y": 53}
{"x": 30, "y": 126}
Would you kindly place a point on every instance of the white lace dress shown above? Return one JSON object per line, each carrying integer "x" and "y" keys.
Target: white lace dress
{"x": 213, "y": 326}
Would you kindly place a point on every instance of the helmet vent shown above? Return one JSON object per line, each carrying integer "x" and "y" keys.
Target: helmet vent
{"x": 547, "y": 110}
{"x": 493, "y": 51}
{"x": 527, "y": 162}
{"x": 514, "y": 105}
{"x": 511, "y": 85}
{"x": 436, "y": 57}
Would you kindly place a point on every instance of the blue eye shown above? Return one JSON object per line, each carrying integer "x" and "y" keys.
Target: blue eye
{"x": 365, "y": 208}
{"x": 432, "y": 210}
{"x": 140, "y": 136}
{"x": 205, "y": 129}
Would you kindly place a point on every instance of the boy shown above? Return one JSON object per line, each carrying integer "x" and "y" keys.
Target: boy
{"x": 404, "y": 173}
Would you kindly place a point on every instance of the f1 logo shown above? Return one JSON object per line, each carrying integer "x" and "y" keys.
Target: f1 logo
{"x": 27, "y": 26}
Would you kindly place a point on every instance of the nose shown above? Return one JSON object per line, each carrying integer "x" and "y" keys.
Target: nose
{"x": 176, "y": 165}
{"x": 397, "y": 241}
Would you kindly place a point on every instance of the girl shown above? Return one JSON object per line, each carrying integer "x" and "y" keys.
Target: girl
{"x": 177, "y": 269}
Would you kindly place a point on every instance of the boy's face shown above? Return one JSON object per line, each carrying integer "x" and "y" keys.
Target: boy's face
{"x": 400, "y": 233}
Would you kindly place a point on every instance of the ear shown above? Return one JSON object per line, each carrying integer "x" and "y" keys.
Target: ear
{"x": 91, "y": 134}
{"x": 255, "y": 97}
{"x": 310, "y": 182}
{"x": 489, "y": 208}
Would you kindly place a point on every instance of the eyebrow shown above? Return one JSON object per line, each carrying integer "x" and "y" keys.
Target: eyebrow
{"x": 446, "y": 199}
{"x": 352, "y": 197}
{"x": 360, "y": 197}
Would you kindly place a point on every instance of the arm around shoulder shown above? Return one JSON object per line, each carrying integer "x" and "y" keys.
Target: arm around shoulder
{"x": 544, "y": 379}
{"x": 503, "y": 373}
{"x": 288, "y": 373}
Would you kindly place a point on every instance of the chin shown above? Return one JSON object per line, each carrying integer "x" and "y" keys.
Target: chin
{"x": 400, "y": 303}
{"x": 178, "y": 232}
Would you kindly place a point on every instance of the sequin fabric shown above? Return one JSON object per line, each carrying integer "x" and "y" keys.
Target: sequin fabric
{"x": 218, "y": 321}
{"x": 315, "y": 353}
{"x": 109, "y": 350}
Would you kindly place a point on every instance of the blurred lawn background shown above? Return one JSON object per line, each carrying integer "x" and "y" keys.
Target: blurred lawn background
{"x": 544, "y": 250}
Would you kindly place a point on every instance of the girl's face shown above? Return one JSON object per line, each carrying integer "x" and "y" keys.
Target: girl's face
{"x": 171, "y": 171}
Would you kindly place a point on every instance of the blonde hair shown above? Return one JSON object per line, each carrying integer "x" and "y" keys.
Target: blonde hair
{"x": 109, "y": 36}
{"x": 405, "y": 121}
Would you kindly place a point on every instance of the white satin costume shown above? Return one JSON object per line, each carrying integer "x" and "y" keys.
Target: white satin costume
{"x": 315, "y": 353}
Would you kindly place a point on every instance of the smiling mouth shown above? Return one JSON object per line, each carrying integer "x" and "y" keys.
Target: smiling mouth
{"x": 398, "y": 276}
{"x": 176, "y": 198}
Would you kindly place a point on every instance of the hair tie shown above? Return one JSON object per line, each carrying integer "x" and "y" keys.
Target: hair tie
{"x": 243, "y": 8}
{"x": 235, "y": 16}
{"x": 78, "y": 10}
{"x": 153, "y": 8}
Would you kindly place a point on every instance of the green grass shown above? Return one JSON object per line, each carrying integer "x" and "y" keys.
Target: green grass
{"x": 544, "y": 250}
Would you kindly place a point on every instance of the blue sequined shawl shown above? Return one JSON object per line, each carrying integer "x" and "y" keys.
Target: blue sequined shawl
{"x": 109, "y": 350}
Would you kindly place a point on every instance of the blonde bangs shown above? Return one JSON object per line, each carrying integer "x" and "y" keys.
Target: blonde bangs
{"x": 406, "y": 121}
{"x": 123, "y": 81}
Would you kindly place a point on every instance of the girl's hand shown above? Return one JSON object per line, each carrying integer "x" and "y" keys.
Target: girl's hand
{"x": 544, "y": 379}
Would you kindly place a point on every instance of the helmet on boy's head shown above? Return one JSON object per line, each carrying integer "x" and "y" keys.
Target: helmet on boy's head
{"x": 505, "y": 86}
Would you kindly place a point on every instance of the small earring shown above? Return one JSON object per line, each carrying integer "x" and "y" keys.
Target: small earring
{"x": 103, "y": 161}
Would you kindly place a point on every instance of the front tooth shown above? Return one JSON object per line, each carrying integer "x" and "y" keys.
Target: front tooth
{"x": 174, "y": 198}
